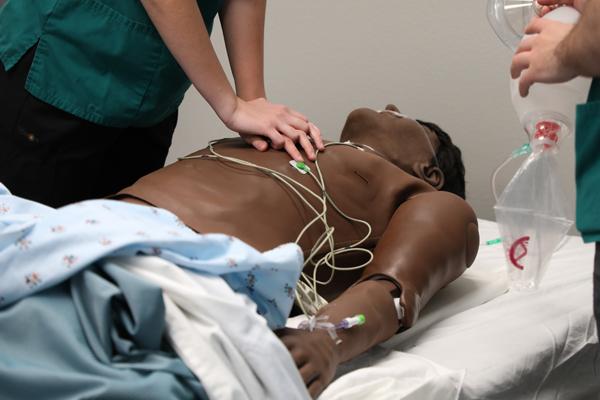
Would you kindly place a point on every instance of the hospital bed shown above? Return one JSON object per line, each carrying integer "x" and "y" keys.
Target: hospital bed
{"x": 476, "y": 340}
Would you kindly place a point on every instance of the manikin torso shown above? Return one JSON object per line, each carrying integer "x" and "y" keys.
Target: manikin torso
{"x": 216, "y": 196}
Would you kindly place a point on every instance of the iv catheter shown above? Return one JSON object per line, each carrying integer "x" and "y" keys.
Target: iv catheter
{"x": 322, "y": 322}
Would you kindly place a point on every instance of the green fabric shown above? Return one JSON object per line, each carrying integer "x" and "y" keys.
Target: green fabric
{"x": 101, "y": 60}
{"x": 587, "y": 165}
{"x": 97, "y": 336}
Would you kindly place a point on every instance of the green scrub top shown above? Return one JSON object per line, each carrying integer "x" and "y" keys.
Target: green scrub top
{"x": 101, "y": 60}
{"x": 587, "y": 165}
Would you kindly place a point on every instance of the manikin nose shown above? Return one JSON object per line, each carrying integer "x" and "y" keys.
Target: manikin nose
{"x": 392, "y": 107}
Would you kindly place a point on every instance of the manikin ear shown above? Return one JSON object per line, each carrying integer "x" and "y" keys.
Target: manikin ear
{"x": 430, "y": 174}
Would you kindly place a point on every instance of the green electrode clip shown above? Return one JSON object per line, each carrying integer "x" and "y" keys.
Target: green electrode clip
{"x": 300, "y": 166}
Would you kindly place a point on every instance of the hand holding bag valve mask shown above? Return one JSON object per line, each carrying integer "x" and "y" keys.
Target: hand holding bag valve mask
{"x": 532, "y": 212}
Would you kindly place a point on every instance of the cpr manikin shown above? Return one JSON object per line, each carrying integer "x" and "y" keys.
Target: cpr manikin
{"x": 421, "y": 238}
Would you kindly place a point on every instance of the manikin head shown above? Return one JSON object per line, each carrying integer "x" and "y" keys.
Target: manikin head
{"x": 419, "y": 148}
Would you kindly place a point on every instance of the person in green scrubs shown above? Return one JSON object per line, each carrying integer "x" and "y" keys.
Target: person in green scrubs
{"x": 557, "y": 53}
{"x": 89, "y": 89}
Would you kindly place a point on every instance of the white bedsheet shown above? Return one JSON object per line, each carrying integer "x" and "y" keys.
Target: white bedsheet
{"x": 487, "y": 344}
{"x": 219, "y": 335}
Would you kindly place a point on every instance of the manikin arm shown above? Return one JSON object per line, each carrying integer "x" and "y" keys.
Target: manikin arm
{"x": 430, "y": 241}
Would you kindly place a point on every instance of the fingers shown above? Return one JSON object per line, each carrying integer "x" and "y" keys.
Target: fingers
{"x": 308, "y": 128}
{"x": 292, "y": 150}
{"x": 277, "y": 139}
{"x": 309, "y": 373}
{"x": 286, "y": 141}
{"x": 301, "y": 138}
{"x": 525, "y": 83}
{"x": 315, "y": 134}
{"x": 312, "y": 379}
{"x": 256, "y": 120}
{"x": 315, "y": 388}
{"x": 549, "y": 5}
{"x": 555, "y": 2}
{"x": 545, "y": 10}
{"x": 520, "y": 68}
{"x": 543, "y": 7}
{"x": 299, "y": 115}
{"x": 298, "y": 123}
{"x": 314, "y": 355}
{"x": 519, "y": 63}
{"x": 293, "y": 136}
{"x": 257, "y": 142}
{"x": 307, "y": 146}
{"x": 296, "y": 127}
{"x": 297, "y": 119}
{"x": 525, "y": 45}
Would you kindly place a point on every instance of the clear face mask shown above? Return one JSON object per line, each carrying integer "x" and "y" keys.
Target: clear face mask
{"x": 509, "y": 18}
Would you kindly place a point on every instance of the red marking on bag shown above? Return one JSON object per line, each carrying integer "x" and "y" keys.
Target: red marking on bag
{"x": 517, "y": 251}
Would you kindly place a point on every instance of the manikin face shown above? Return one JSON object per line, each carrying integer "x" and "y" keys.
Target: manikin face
{"x": 403, "y": 141}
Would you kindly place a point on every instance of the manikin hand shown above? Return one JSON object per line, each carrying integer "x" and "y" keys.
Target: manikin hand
{"x": 315, "y": 355}
{"x": 536, "y": 59}
{"x": 258, "y": 120}
{"x": 549, "y": 5}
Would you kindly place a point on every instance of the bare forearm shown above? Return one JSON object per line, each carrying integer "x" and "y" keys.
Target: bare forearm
{"x": 180, "y": 25}
{"x": 580, "y": 50}
{"x": 373, "y": 299}
{"x": 243, "y": 24}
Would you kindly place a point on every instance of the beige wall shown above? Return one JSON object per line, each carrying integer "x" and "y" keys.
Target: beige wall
{"x": 437, "y": 60}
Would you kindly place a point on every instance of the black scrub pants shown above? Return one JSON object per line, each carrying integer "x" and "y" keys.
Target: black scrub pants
{"x": 56, "y": 158}
{"x": 597, "y": 287}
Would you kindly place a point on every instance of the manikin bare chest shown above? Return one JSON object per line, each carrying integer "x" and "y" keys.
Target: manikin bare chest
{"x": 216, "y": 196}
